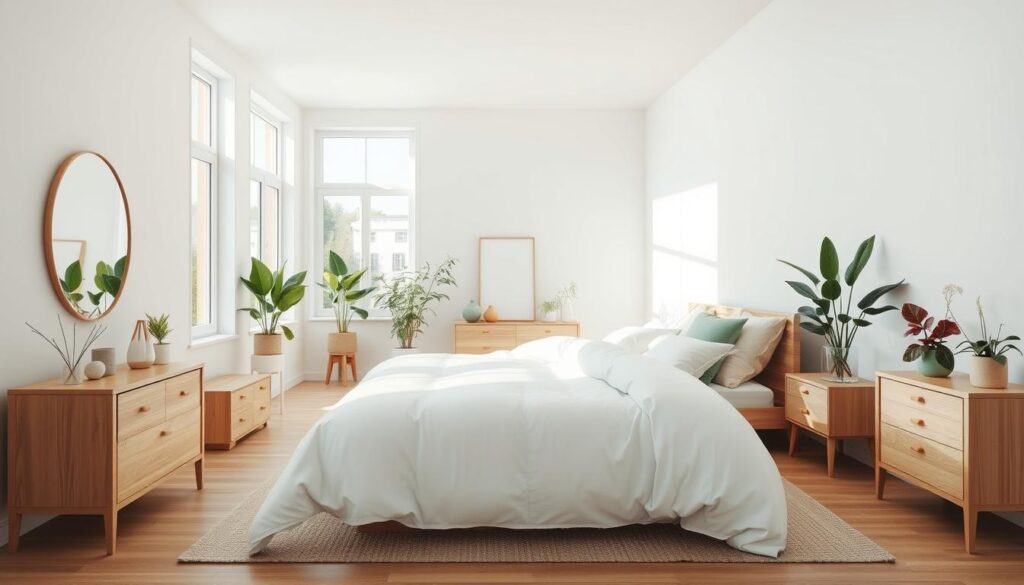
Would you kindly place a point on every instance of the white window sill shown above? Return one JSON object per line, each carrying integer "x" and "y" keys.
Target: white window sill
{"x": 214, "y": 339}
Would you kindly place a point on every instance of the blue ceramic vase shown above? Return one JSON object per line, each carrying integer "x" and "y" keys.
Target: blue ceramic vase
{"x": 472, "y": 312}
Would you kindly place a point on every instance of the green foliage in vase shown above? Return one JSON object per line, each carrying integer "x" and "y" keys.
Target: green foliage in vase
{"x": 340, "y": 289}
{"x": 274, "y": 295}
{"x": 159, "y": 327}
{"x": 550, "y": 306}
{"x": 408, "y": 297}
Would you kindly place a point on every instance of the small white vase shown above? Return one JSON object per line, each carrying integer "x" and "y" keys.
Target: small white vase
{"x": 549, "y": 316}
{"x": 567, "y": 311}
{"x": 140, "y": 350}
{"x": 162, "y": 353}
{"x": 400, "y": 351}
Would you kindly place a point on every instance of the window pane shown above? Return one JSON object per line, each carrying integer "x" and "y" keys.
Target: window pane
{"x": 389, "y": 217}
{"x": 270, "y": 224}
{"x": 388, "y": 164}
{"x": 202, "y": 108}
{"x": 342, "y": 230}
{"x": 254, "y": 219}
{"x": 201, "y": 238}
{"x": 264, "y": 144}
{"x": 344, "y": 160}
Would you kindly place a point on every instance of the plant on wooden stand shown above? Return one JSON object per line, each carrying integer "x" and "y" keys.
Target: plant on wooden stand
{"x": 274, "y": 296}
{"x": 340, "y": 290}
{"x": 833, "y": 318}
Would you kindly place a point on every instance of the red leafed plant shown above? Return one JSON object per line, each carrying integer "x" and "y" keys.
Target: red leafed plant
{"x": 932, "y": 335}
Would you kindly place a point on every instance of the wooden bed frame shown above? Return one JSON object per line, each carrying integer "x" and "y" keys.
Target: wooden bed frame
{"x": 785, "y": 360}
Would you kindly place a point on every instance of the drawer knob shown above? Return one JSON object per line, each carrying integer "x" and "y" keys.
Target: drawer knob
{"x": 547, "y": 331}
{"x": 485, "y": 331}
{"x": 919, "y": 399}
{"x": 143, "y": 409}
{"x": 263, "y": 408}
{"x": 183, "y": 393}
{"x": 241, "y": 420}
{"x": 164, "y": 433}
{"x": 918, "y": 421}
{"x": 805, "y": 391}
{"x": 241, "y": 396}
{"x": 804, "y": 411}
{"x": 917, "y": 449}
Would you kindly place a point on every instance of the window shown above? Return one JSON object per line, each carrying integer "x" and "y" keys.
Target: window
{"x": 364, "y": 190}
{"x": 265, "y": 188}
{"x": 203, "y": 195}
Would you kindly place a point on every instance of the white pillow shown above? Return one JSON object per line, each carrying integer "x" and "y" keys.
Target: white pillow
{"x": 636, "y": 340}
{"x": 754, "y": 349}
{"x": 682, "y": 323}
{"x": 693, "y": 356}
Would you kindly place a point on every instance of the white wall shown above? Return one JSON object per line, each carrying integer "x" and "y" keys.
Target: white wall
{"x": 111, "y": 77}
{"x": 901, "y": 119}
{"x": 572, "y": 179}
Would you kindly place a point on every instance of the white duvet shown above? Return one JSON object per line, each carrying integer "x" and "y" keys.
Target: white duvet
{"x": 557, "y": 433}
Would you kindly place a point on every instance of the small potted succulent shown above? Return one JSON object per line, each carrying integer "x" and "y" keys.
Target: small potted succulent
{"x": 341, "y": 290}
{"x": 988, "y": 355}
{"x": 274, "y": 295}
{"x": 934, "y": 358}
{"x": 549, "y": 311}
{"x": 159, "y": 328}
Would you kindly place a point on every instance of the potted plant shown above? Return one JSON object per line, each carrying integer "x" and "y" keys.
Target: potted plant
{"x": 549, "y": 311}
{"x": 933, "y": 356}
{"x": 340, "y": 290}
{"x": 408, "y": 296}
{"x": 159, "y": 328}
{"x": 566, "y": 296}
{"x": 988, "y": 360}
{"x": 274, "y": 295}
{"x": 833, "y": 318}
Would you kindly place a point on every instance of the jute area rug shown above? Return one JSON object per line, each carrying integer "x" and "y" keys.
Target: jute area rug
{"x": 816, "y": 535}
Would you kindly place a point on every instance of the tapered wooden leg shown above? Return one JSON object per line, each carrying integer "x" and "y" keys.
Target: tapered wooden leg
{"x": 970, "y": 528}
{"x": 794, "y": 434}
{"x": 830, "y": 448}
{"x": 330, "y": 368}
{"x": 13, "y": 531}
{"x": 352, "y": 361}
{"x": 343, "y": 374}
{"x": 199, "y": 474}
{"x": 110, "y": 528}
{"x": 880, "y": 475}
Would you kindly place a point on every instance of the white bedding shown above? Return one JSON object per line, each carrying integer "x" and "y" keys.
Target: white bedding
{"x": 557, "y": 433}
{"x": 747, "y": 395}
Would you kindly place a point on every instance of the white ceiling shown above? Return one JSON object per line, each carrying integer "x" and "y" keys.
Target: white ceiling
{"x": 474, "y": 53}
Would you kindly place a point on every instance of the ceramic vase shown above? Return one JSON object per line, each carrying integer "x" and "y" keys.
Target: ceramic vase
{"x": 140, "y": 348}
{"x": 108, "y": 357}
{"x": 339, "y": 343}
{"x": 266, "y": 344}
{"x": 491, "y": 314}
{"x": 567, "y": 311}
{"x": 988, "y": 373}
{"x": 549, "y": 316}
{"x": 472, "y": 312}
{"x": 163, "y": 353}
{"x": 928, "y": 365}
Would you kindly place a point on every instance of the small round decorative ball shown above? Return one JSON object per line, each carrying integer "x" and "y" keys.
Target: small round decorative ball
{"x": 95, "y": 370}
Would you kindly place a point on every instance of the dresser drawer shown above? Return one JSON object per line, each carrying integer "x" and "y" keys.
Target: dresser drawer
{"x": 182, "y": 394}
{"x": 261, "y": 402}
{"x": 146, "y": 457}
{"x": 243, "y": 398}
{"x": 927, "y": 413}
{"x": 484, "y": 339}
{"x": 140, "y": 409}
{"x": 243, "y": 419}
{"x": 807, "y": 405}
{"x": 929, "y": 461}
{"x": 526, "y": 333}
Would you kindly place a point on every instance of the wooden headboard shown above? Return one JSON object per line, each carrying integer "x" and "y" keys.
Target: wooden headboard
{"x": 786, "y": 359}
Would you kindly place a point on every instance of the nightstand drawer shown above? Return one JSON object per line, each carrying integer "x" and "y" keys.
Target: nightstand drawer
{"x": 923, "y": 412}
{"x": 936, "y": 464}
{"x": 807, "y": 405}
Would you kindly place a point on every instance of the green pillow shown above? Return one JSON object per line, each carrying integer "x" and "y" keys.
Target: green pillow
{"x": 710, "y": 328}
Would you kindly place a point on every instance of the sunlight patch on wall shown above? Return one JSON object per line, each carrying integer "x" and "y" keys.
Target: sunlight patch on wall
{"x": 684, "y": 254}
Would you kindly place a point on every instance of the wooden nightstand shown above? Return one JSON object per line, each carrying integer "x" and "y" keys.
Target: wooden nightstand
{"x": 831, "y": 410}
{"x": 961, "y": 443}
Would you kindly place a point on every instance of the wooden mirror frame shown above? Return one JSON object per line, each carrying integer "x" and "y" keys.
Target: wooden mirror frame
{"x": 51, "y": 267}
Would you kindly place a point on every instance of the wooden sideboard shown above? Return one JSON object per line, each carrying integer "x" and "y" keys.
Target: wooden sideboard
{"x": 961, "y": 443}
{"x": 96, "y": 447}
{"x": 236, "y": 405}
{"x": 481, "y": 337}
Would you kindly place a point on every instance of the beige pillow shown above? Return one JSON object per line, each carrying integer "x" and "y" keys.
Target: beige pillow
{"x": 753, "y": 351}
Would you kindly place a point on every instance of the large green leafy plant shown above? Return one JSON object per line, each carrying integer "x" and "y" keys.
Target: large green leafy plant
{"x": 108, "y": 281}
{"x": 274, "y": 296}
{"x": 408, "y": 296}
{"x": 340, "y": 289}
{"x": 831, "y": 315}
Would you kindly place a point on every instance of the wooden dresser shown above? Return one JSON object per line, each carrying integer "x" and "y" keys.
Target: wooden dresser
{"x": 96, "y": 447}
{"x": 236, "y": 405}
{"x": 961, "y": 443}
{"x": 834, "y": 411}
{"x": 481, "y": 337}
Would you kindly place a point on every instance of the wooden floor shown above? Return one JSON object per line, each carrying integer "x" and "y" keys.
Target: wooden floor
{"x": 922, "y": 532}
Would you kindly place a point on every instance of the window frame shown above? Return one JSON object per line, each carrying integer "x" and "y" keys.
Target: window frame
{"x": 209, "y": 155}
{"x": 267, "y": 178}
{"x": 365, "y": 192}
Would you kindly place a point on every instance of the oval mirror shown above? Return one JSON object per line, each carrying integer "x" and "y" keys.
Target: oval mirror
{"x": 87, "y": 235}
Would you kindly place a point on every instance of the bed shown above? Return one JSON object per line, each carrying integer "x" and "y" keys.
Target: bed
{"x": 557, "y": 433}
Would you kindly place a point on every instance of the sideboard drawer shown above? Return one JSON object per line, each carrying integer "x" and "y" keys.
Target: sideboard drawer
{"x": 146, "y": 457}
{"x": 929, "y": 461}
{"x": 243, "y": 398}
{"x": 923, "y": 400}
{"x": 526, "y": 333}
{"x": 182, "y": 394}
{"x": 261, "y": 402}
{"x": 807, "y": 405}
{"x": 931, "y": 423}
{"x": 140, "y": 409}
{"x": 243, "y": 420}
{"x": 484, "y": 339}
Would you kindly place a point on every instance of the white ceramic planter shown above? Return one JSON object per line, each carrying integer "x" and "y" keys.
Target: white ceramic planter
{"x": 163, "y": 353}
{"x": 549, "y": 317}
{"x": 988, "y": 373}
{"x": 400, "y": 351}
